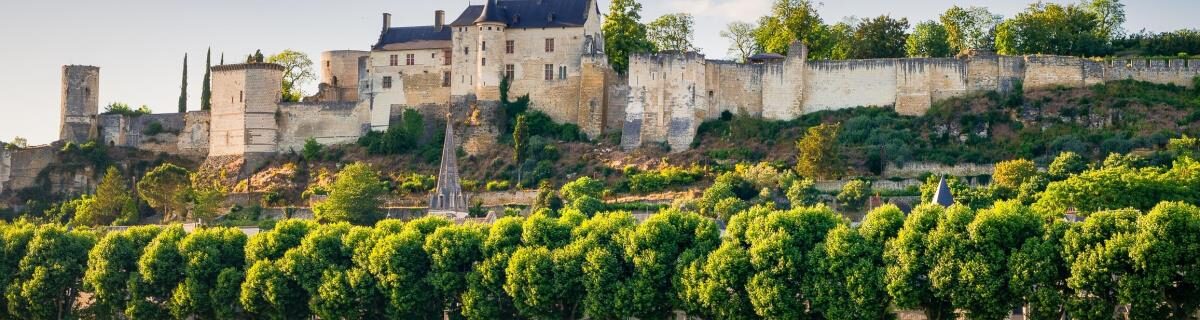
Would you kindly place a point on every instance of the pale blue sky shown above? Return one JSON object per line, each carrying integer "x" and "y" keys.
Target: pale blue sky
{"x": 139, "y": 44}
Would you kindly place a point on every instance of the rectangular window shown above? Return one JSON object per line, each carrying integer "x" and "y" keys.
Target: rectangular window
{"x": 411, "y": 59}
{"x": 446, "y": 54}
{"x": 466, "y": 50}
{"x": 394, "y": 61}
{"x": 510, "y": 71}
{"x": 483, "y": 46}
{"x": 549, "y": 72}
{"x": 446, "y": 79}
{"x": 562, "y": 72}
{"x": 387, "y": 82}
{"x": 510, "y": 46}
{"x": 550, "y": 45}
{"x": 483, "y": 61}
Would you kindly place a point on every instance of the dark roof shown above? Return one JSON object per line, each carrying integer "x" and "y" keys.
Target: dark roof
{"x": 491, "y": 13}
{"x": 530, "y": 13}
{"x": 412, "y": 34}
{"x": 943, "y": 197}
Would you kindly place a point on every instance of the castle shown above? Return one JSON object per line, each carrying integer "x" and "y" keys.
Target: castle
{"x": 553, "y": 51}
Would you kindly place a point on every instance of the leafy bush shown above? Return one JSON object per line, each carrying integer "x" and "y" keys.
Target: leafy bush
{"x": 153, "y": 128}
{"x": 494, "y": 185}
{"x": 124, "y": 109}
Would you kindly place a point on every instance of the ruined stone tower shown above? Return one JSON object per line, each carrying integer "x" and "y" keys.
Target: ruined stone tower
{"x": 448, "y": 199}
{"x": 245, "y": 101}
{"x": 80, "y": 103}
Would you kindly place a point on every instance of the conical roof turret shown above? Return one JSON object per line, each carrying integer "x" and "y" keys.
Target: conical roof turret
{"x": 448, "y": 198}
{"x": 942, "y": 196}
{"x": 491, "y": 13}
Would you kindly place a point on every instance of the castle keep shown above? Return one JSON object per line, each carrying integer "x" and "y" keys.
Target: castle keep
{"x": 553, "y": 51}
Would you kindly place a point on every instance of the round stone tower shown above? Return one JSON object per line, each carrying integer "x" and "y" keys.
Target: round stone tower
{"x": 80, "y": 103}
{"x": 490, "y": 24}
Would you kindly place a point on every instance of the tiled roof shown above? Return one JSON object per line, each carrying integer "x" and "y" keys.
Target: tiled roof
{"x": 530, "y": 13}
{"x": 412, "y": 34}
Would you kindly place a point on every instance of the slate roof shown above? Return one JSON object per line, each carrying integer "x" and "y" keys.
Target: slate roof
{"x": 942, "y": 196}
{"x": 491, "y": 13}
{"x": 530, "y": 13}
{"x": 412, "y": 34}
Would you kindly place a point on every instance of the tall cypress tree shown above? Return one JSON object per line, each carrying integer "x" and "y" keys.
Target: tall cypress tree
{"x": 183, "y": 87}
{"x": 206, "y": 87}
{"x": 222, "y": 58}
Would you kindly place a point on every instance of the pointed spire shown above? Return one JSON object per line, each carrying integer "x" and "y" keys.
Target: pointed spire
{"x": 491, "y": 13}
{"x": 942, "y": 196}
{"x": 448, "y": 197}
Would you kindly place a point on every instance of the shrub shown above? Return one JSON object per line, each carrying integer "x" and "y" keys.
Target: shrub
{"x": 497, "y": 185}
{"x": 854, "y": 194}
{"x": 312, "y": 150}
{"x": 153, "y": 128}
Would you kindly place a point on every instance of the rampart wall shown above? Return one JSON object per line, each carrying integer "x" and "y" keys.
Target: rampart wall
{"x": 666, "y": 105}
{"x": 327, "y": 123}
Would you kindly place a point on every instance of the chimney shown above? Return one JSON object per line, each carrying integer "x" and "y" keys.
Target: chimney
{"x": 439, "y": 19}
{"x": 387, "y": 21}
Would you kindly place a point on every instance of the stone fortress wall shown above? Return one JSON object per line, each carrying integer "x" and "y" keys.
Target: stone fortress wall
{"x": 672, "y": 93}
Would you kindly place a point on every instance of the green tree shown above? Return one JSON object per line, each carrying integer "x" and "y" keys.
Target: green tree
{"x": 624, "y": 34}
{"x": 206, "y": 197}
{"x": 909, "y": 265}
{"x": 790, "y": 21}
{"x": 207, "y": 254}
{"x": 818, "y": 155}
{"x": 970, "y": 28}
{"x": 297, "y": 71}
{"x": 183, "y": 88}
{"x": 113, "y": 203}
{"x": 1110, "y": 16}
{"x": 1097, "y": 253}
{"x": 880, "y": 37}
{"x": 1066, "y": 164}
{"x": 402, "y": 267}
{"x": 1051, "y": 28}
{"x": 49, "y": 276}
{"x": 672, "y": 32}
{"x": 111, "y": 265}
{"x": 166, "y": 188}
{"x": 928, "y": 40}
{"x": 1012, "y": 173}
{"x": 311, "y": 150}
{"x": 453, "y": 252}
{"x": 657, "y": 248}
{"x": 268, "y": 293}
{"x": 1184, "y": 146}
{"x": 803, "y": 192}
{"x": 520, "y": 143}
{"x": 854, "y": 194}
{"x": 741, "y": 40}
{"x": 485, "y": 297}
{"x": 354, "y": 196}
{"x": 1164, "y": 285}
{"x": 851, "y": 283}
{"x": 206, "y": 86}
{"x": 159, "y": 270}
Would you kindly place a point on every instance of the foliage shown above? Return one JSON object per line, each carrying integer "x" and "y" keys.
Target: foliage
{"x": 818, "y": 154}
{"x": 1050, "y": 28}
{"x": 791, "y": 21}
{"x": 398, "y": 139}
{"x": 354, "y": 196}
{"x": 970, "y": 28}
{"x": 741, "y": 40}
{"x": 672, "y": 32}
{"x": 48, "y": 276}
{"x": 311, "y": 151}
{"x": 624, "y": 33}
{"x": 929, "y": 40}
{"x": 1122, "y": 186}
{"x": 854, "y": 194}
{"x": 880, "y": 37}
{"x": 661, "y": 179}
{"x": 1170, "y": 43}
{"x": 124, "y": 109}
{"x": 497, "y": 186}
{"x": 183, "y": 87}
{"x": 113, "y": 203}
{"x": 1011, "y": 174}
{"x": 297, "y": 71}
{"x": 1067, "y": 163}
{"x": 166, "y": 189}
{"x": 206, "y": 84}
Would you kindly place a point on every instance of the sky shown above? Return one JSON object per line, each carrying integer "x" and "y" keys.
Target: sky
{"x": 139, "y": 44}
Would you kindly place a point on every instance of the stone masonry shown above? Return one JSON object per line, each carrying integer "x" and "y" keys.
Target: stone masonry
{"x": 671, "y": 93}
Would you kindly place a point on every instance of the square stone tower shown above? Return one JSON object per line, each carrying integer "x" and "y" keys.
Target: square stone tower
{"x": 80, "y": 103}
{"x": 245, "y": 101}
